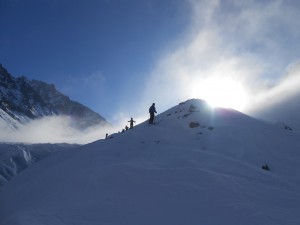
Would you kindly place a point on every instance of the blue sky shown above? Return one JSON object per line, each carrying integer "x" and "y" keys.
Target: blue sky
{"x": 117, "y": 56}
{"x": 95, "y": 51}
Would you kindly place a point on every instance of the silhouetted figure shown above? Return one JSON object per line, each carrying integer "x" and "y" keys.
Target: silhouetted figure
{"x": 126, "y": 127}
{"x": 152, "y": 110}
{"x": 106, "y": 136}
{"x": 131, "y": 123}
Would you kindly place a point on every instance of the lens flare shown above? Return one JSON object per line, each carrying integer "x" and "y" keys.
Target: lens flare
{"x": 222, "y": 92}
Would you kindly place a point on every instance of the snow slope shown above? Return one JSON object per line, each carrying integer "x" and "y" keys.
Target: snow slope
{"x": 15, "y": 157}
{"x": 195, "y": 166}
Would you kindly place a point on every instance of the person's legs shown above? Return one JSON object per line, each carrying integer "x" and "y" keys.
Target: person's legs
{"x": 151, "y": 118}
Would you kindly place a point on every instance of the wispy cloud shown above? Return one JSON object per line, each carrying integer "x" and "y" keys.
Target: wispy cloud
{"x": 281, "y": 101}
{"x": 54, "y": 129}
{"x": 252, "y": 42}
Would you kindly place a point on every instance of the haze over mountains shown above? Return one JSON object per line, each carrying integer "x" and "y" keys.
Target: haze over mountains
{"x": 23, "y": 100}
{"x": 196, "y": 165}
{"x": 33, "y": 111}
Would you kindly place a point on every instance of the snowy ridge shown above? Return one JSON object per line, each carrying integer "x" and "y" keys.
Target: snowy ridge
{"x": 196, "y": 165}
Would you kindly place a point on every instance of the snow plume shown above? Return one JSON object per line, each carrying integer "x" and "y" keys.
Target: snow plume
{"x": 281, "y": 101}
{"x": 55, "y": 129}
{"x": 243, "y": 41}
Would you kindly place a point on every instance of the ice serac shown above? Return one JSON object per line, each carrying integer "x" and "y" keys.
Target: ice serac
{"x": 22, "y": 100}
{"x": 15, "y": 157}
{"x": 195, "y": 165}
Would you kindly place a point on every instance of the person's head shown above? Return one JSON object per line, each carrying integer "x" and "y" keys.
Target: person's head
{"x": 153, "y": 104}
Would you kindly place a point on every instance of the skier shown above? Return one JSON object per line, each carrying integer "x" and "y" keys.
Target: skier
{"x": 131, "y": 123}
{"x": 152, "y": 110}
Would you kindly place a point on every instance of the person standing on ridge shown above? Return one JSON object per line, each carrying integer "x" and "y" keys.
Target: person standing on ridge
{"x": 131, "y": 123}
{"x": 152, "y": 110}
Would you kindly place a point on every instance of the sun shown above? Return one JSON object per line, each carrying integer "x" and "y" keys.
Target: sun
{"x": 223, "y": 92}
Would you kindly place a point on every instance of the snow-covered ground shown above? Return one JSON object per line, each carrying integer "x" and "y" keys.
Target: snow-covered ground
{"x": 197, "y": 165}
{"x": 15, "y": 157}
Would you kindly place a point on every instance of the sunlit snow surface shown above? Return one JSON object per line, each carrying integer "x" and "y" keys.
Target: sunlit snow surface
{"x": 196, "y": 165}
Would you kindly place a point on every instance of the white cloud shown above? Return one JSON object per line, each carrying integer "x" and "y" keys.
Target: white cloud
{"x": 281, "y": 101}
{"x": 62, "y": 129}
{"x": 251, "y": 42}
{"x": 54, "y": 129}
{"x": 254, "y": 43}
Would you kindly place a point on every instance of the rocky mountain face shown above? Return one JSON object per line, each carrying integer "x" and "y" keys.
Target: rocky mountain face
{"x": 22, "y": 100}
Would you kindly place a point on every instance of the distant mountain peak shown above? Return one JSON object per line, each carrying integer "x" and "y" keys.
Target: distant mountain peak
{"x": 22, "y": 100}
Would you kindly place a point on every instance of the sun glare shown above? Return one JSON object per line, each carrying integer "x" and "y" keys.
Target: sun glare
{"x": 223, "y": 92}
